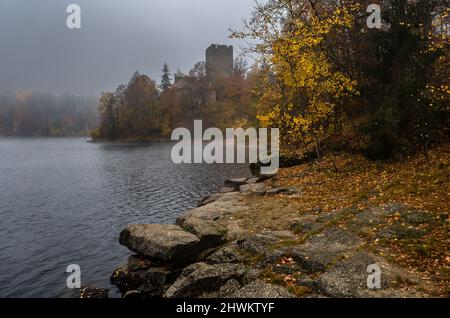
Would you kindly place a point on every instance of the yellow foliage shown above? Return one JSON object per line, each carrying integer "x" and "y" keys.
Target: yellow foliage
{"x": 306, "y": 89}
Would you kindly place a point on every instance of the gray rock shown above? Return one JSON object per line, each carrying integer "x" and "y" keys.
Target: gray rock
{"x": 365, "y": 220}
{"x": 262, "y": 246}
{"x": 306, "y": 226}
{"x": 150, "y": 281}
{"x": 348, "y": 278}
{"x": 138, "y": 263}
{"x": 125, "y": 279}
{"x": 208, "y": 199}
{"x": 227, "y": 190}
{"x": 230, "y": 287}
{"x": 201, "y": 279}
{"x": 251, "y": 275}
{"x": 256, "y": 188}
{"x": 402, "y": 231}
{"x": 260, "y": 289}
{"x": 281, "y": 190}
{"x": 253, "y": 180}
{"x": 214, "y": 223}
{"x": 322, "y": 249}
{"x": 235, "y": 183}
{"x": 262, "y": 243}
{"x": 227, "y": 254}
{"x": 168, "y": 243}
{"x": 414, "y": 217}
{"x": 210, "y": 233}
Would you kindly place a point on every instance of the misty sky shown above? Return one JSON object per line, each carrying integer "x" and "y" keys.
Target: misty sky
{"x": 39, "y": 53}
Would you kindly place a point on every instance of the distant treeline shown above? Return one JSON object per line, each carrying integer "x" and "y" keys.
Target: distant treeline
{"x": 142, "y": 110}
{"x": 32, "y": 114}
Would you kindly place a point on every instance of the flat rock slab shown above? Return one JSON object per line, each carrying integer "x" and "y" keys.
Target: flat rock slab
{"x": 264, "y": 246}
{"x": 348, "y": 278}
{"x": 255, "y": 188}
{"x": 167, "y": 243}
{"x": 324, "y": 248}
{"x": 209, "y": 199}
{"x": 260, "y": 289}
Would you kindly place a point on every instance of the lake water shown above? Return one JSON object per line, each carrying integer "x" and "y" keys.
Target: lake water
{"x": 65, "y": 201}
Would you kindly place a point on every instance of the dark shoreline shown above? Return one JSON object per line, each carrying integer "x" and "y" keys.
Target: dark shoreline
{"x": 142, "y": 140}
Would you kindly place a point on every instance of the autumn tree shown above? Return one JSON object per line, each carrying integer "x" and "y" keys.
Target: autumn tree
{"x": 108, "y": 120}
{"x": 302, "y": 86}
{"x": 325, "y": 74}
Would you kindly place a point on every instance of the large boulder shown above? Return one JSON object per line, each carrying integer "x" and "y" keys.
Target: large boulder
{"x": 167, "y": 243}
{"x": 201, "y": 279}
{"x": 210, "y": 233}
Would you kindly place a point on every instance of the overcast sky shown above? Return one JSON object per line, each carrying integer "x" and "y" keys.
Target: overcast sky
{"x": 39, "y": 53}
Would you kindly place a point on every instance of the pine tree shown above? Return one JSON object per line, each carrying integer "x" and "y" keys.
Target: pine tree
{"x": 166, "y": 82}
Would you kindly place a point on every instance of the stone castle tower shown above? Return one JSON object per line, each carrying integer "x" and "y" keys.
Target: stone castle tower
{"x": 219, "y": 60}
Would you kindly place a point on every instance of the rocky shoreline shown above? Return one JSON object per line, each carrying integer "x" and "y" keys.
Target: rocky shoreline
{"x": 209, "y": 254}
{"x": 199, "y": 255}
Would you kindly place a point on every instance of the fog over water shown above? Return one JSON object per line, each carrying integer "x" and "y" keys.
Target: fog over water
{"x": 117, "y": 37}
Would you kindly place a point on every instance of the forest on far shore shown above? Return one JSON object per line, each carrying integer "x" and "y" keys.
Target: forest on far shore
{"x": 27, "y": 114}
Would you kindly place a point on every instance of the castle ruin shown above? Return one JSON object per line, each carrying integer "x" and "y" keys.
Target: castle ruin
{"x": 219, "y": 60}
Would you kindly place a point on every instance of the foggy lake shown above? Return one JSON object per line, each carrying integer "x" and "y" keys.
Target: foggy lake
{"x": 64, "y": 201}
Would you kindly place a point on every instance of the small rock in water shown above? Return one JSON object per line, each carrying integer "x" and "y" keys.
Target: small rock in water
{"x": 94, "y": 292}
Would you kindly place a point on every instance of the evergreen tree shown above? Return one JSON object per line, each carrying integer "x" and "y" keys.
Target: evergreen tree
{"x": 166, "y": 81}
